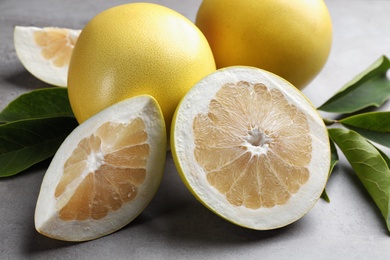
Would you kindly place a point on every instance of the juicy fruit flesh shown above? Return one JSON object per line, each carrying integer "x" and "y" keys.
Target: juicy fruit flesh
{"x": 254, "y": 146}
{"x": 103, "y": 172}
{"x": 56, "y": 45}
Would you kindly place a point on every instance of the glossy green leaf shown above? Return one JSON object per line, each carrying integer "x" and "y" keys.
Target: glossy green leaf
{"x": 385, "y": 157}
{"x": 27, "y": 142}
{"x": 40, "y": 103}
{"x": 377, "y": 137}
{"x": 374, "y": 121}
{"x": 374, "y": 126}
{"x": 334, "y": 158}
{"x": 369, "y": 88}
{"x": 370, "y": 166}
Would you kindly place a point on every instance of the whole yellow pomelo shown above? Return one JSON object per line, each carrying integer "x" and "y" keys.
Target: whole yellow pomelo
{"x": 136, "y": 49}
{"x": 289, "y": 38}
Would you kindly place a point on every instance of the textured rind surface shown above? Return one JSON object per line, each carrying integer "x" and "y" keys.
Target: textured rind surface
{"x": 182, "y": 145}
{"x": 292, "y": 39}
{"x": 47, "y": 221}
{"x": 136, "y": 49}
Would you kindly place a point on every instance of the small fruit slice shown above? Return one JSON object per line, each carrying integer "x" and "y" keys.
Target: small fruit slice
{"x": 45, "y": 52}
{"x": 251, "y": 147}
{"x": 105, "y": 173}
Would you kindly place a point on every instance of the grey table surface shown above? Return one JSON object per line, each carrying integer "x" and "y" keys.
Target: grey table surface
{"x": 175, "y": 225}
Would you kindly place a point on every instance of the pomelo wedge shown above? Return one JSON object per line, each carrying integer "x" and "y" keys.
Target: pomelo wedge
{"x": 45, "y": 52}
{"x": 105, "y": 172}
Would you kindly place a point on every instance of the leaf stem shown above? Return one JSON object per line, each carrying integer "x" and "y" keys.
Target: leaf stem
{"x": 329, "y": 122}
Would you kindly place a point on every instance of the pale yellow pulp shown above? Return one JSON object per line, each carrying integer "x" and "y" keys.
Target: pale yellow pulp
{"x": 104, "y": 171}
{"x": 56, "y": 45}
{"x": 254, "y": 145}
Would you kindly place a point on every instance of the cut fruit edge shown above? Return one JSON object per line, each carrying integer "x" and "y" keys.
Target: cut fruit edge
{"x": 47, "y": 220}
{"x": 45, "y": 52}
{"x": 194, "y": 176}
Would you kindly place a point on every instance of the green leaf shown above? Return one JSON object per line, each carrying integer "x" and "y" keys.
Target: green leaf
{"x": 369, "y": 88}
{"x": 41, "y": 103}
{"x": 334, "y": 158}
{"x": 27, "y": 142}
{"x": 370, "y": 166}
{"x": 385, "y": 157}
{"x": 377, "y": 137}
{"x": 374, "y": 121}
{"x": 373, "y": 125}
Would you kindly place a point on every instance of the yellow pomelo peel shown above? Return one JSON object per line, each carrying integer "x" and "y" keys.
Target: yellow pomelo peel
{"x": 289, "y": 38}
{"x": 135, "y": 49}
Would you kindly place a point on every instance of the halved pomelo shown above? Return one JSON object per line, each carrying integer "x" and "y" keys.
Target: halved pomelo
{"x": 45, "y": 52}
{"x": 251, "y": 147}
{"x": 105, "y": 172}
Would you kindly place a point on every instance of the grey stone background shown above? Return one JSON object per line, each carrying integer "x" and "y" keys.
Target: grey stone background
{"x": 175, "y": 225}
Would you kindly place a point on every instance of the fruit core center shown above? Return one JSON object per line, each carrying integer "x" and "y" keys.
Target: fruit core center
{"x": 257, "y": 140}
{"x": 256, "y": 137}
{"x": 95, "y": 160}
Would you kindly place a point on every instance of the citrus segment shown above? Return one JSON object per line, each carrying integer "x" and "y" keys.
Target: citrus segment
{"x": 45, "y": 52}
{"x": 56, "y": 45}
{"x": 252, "y": 148}
{"x": 112, "y": 176}
{"x": 105, "y": 173}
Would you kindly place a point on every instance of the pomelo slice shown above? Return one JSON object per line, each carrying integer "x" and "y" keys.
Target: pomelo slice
{"x": 105, "y": 172}
{"x": 251, "y": 147}
{"x": 45, "y": 52}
